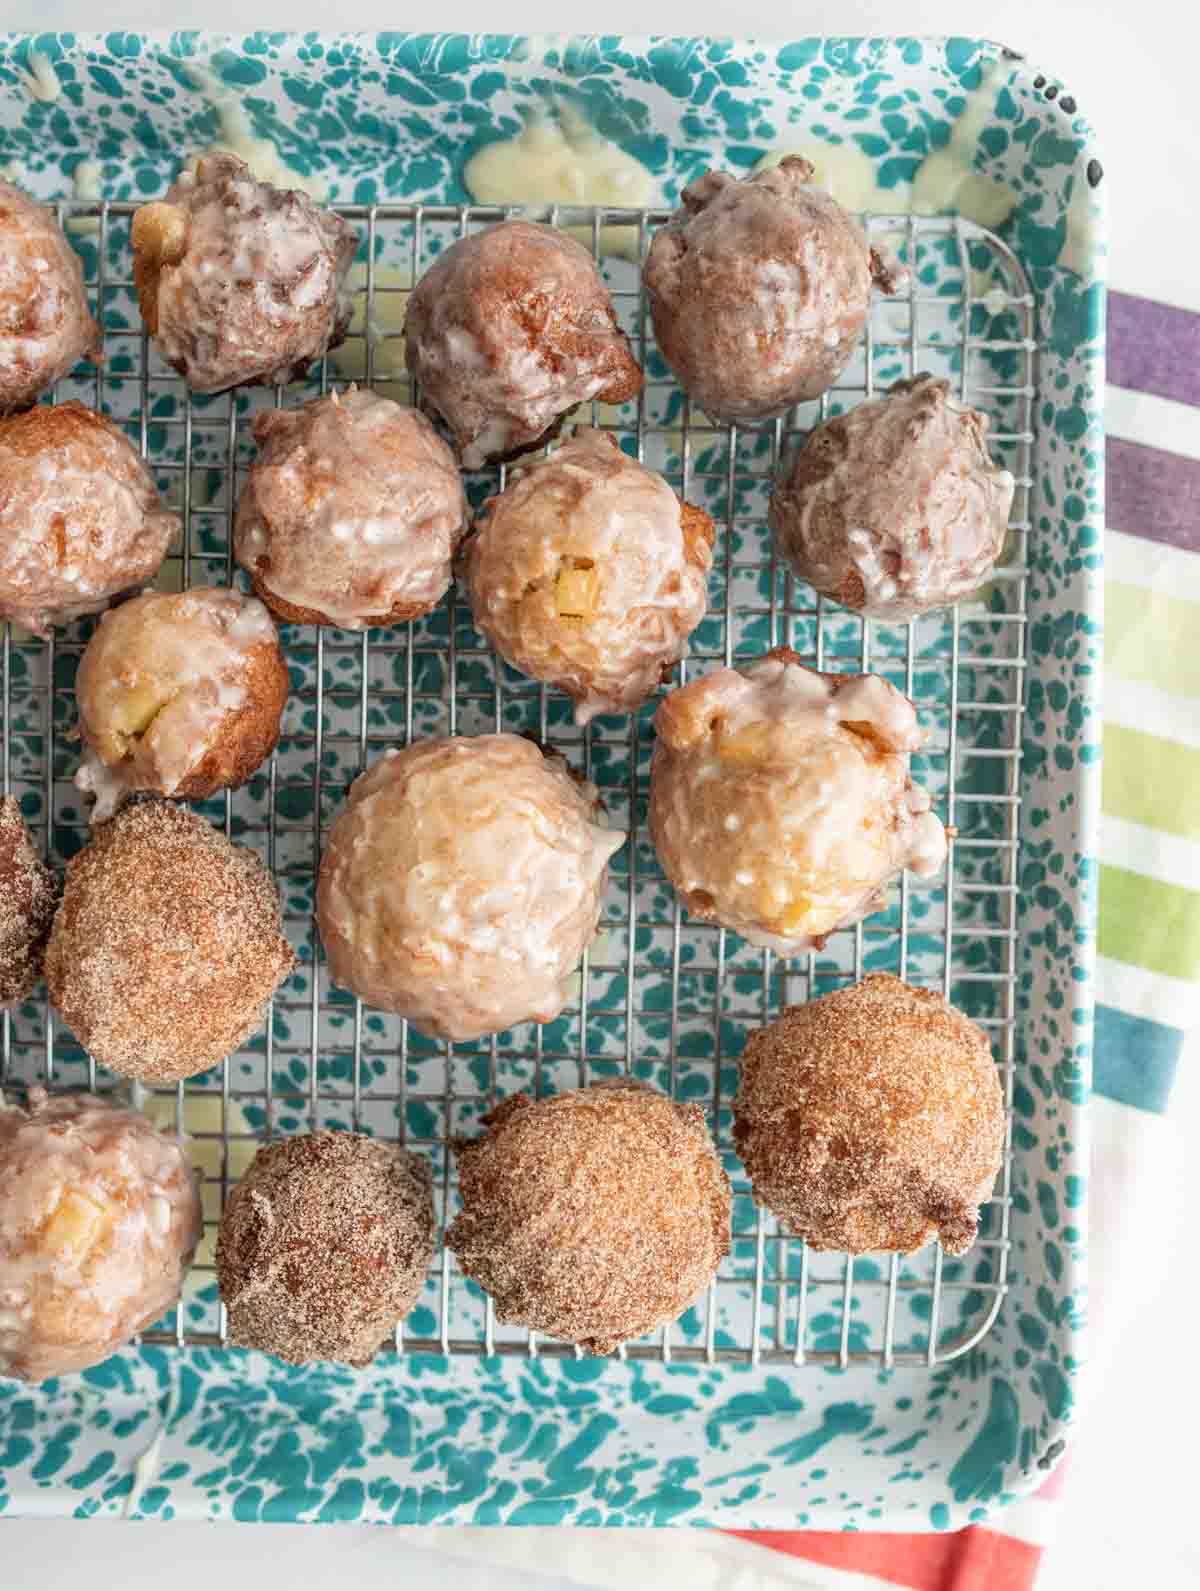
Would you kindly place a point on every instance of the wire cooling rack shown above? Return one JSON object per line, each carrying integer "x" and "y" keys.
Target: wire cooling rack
{"x": 659, "y": 996}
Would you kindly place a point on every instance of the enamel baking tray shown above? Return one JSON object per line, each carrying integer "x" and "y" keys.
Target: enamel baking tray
{"x": 804, "y": 1389}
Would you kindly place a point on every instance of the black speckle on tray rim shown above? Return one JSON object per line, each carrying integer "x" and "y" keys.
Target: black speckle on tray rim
{"x": 1095, "y": 173}
{"x": 1068, "y": 104}
{"x": 1052, "y": 1452}
{"x": 1039, "y": 81}
{"x": 1052, "y": 91}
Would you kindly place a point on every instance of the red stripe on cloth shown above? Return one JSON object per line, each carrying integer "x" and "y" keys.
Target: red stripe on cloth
{"x": 1153, "y": 494}
{"x": 1153, "y": 348}
{"x": 975, "y": 1559}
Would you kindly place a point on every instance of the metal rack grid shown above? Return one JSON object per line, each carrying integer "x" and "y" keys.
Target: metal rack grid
{"x": 658, "y": 995}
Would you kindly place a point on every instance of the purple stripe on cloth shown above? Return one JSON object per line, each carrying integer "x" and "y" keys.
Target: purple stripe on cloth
{"x": 1153, "y": 494}
{"x": 1153, "y": 348}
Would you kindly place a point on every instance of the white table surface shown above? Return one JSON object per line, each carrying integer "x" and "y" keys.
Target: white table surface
{"x": 1129, "y": 1519}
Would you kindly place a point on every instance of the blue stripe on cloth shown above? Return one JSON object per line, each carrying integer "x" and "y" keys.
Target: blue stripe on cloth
{"x": 1134, "y": 1058}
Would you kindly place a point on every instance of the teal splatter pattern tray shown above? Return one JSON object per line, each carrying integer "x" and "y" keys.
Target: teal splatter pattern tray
{"x": 804, "y": 1389}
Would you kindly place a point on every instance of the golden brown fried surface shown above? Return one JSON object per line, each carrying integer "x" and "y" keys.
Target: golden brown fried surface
{"x": 99, "y": 1218}
{"x": 351, "y": 513}
{"x": 895, "y": 508}
{"x": 167, "y": 946}
{"x": 872, "y": 1118}
{"x": 238, "y": 281}
{"x": 461, "y": 883}
{"x": 589, "y": 573}
{"x": 759, "y": 290}
{"x": 80, "y": 518}
{"x": 508, "y": 331}
{"x": 46, "y": 326}
{"x": 179, "y": 694}
{"x": 780, "y": 799}
{"x": 324, "y": 1246}
{"x": 593, "y": 1216}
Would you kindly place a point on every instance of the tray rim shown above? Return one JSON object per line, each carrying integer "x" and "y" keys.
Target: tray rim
{"x": 1025, "y": 1479}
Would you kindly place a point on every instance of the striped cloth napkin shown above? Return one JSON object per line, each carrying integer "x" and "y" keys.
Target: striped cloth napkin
{"x": 1147, "y": 986}
{"x": 1148, "y": 969}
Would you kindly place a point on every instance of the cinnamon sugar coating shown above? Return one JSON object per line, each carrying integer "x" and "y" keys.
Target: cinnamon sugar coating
{"x": 593, "y": 1216}
{"x": 872, "y": 1118}
{"x": 28, "y": 896}
{"x": 324, "y": 1246}
{"x": 167, "y": 946}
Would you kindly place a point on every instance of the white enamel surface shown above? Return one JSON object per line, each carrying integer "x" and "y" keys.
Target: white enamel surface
{"x": 844, "y": 171}
{"x": 947, "y": 180}
{"x": 1125, "y": 1520}
{"x": 40, "y": 81}
{"x": 238, "y": 138}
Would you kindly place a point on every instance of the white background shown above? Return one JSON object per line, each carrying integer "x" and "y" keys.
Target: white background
{"x": 1130, "y": 1515}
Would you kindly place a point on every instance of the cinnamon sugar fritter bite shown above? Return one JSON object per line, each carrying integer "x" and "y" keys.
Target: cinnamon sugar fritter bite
{"x": 508, "y": 331}
{"x": 780, "y": 799}
{"x": 99, "y": 1218}
{"x": 593, "y": 1216}
{"x": 588, "y": 572}
{"x": 180, "y": 694}
{"x": 239, "y": 281}
{"x": 167, "y": 946}
{"x": 45, "y": 324}
{"x": 895, "y": 508}
{"x": 80, "y": 518}
{"x": 872, "y": 1119}
{"x": 351, "y": 513}
{"x": 324, "y": 1246}
{"x": 461, "y": 883}
{"x": 27, "y": 900}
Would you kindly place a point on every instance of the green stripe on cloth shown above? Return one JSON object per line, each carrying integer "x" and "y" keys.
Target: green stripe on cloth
{"x": 1151, "y": 781}
{"x": 1152, "y": 637}
{"x": 1148, "y": 923}
{"x": 1134, "y": 1059}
